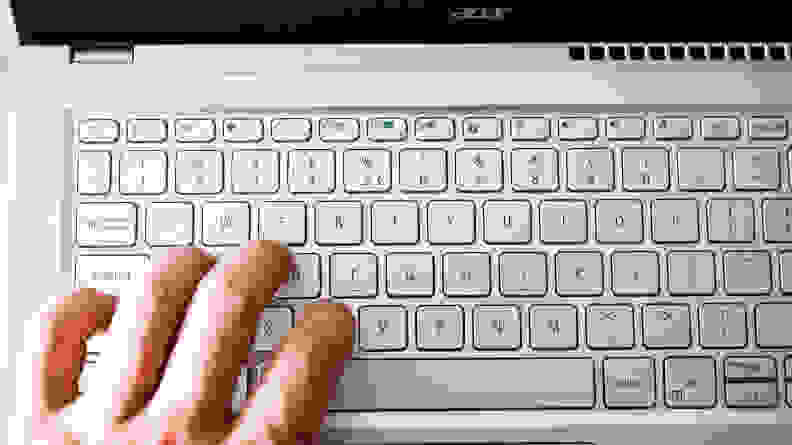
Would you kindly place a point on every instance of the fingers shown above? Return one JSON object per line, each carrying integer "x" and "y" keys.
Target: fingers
{"x": 57, "y": 367}
{"x": 143, "y": 335}
{"x": 215, "y": 339}
{"x": 293, "y": 401}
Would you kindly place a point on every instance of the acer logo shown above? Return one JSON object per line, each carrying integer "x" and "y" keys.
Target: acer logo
{"x": 478, "y": 13}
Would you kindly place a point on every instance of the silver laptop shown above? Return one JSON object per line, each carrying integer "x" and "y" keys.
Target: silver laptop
{"x": 542, "y": 243}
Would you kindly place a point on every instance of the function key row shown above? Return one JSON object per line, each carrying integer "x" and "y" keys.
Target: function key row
{"x": 394, "y": 129}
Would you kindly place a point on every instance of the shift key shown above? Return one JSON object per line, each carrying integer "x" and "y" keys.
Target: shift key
{"x": 465, "y": 384}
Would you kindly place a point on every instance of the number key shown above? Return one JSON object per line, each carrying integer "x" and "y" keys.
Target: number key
{"x": 479, "y": 170}
{"x": 590, "y": 170}
{"x": 645, "y": 169}
{"x": 534, "y": 170}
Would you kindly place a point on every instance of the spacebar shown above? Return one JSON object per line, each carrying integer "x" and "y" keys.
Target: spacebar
{"x": 465, "y": 384}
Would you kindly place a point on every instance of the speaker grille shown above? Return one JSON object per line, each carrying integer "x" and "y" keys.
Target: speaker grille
{"x": 680, "y": 52}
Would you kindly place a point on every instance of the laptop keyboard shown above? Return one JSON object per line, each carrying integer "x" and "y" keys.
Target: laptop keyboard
{"x": 494, "y": 260}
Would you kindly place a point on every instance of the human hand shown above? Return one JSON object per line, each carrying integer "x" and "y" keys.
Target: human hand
{"x": 200, "y": 338}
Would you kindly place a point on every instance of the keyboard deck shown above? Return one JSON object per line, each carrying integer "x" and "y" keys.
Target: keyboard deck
{"x": 508, "y": 261}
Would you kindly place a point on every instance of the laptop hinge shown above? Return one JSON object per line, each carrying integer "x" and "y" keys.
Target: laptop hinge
{"x": 94, "y": 53}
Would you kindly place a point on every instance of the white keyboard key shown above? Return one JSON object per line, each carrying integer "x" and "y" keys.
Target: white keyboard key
{"x": 675, "y": 221}
{"x": 666, "y": 326}
{"x": 534, "y": 170}
{"x": 90, "y": 373}
{"x": 578, "y": 128}
{"x": 273, "y": 324}
{"x": 731, "y": 220}
{"x": 147, "y": 130}
{"x": 720, "y": 128}
{"x": 507, "y": 222}
{"x": 530, "y": 128}
{"x": 645, "y": 169}
{"x": 778, "y": 220}
{"x": 497, "y": 328}
{"x": 306, "y": 280}
{"x": 410, "y": 275}
{"x": 440, "y": 327}
{"x": 119, "y": 275}
{"x": 739, "y": 367}
{"x": 339, "y": 130}
{"x": 690, "y": 382}
{"x": 563, "y": 222}
{"x": 466, "y": 274}
{"x": 382, "y": 328}
{"x": 239, "y": 391}
{"x": 629, "y": 382}
{"x": 691, "y": 273}
{"x": 579, "y": 273}
{"x": 434, "y": 129}
{"x": 554, "y": 327}
{"x": 394, "y": 222}
{"x": 756, "y": 169}
{"x": 786, "y": 273}
{"x": 763, "y": 394}
{"x": 747, "y": 273}
{"x": 767, "y": 128}
{"x": 243, "y": 130}
{"x": 143, "y": 172}
{"x": 619, "y": 221}
{"x": 291, "y": 130}
{"x": 451, "y": 222}
{"x": 700, "y": 169}
{"x": 625, "y": 128}
{"x": 99, "y": 131}
{"x": 170, "y": 224}
{"x": 353, "y": 275}
{"x": 367, "y": 170}
{"x": 255, "y": 171}
{"x": 772, "y": 325}
{"x": 611, "y": 326}
{"x": 339, "y": 223}
{"x": 194, "y": 130}
{"x": 673, "y": 128}
{"x": 589, "y": 170}
{"x": 523, "y": 274}
{"x": 199, "y": 172}
{"x": 479, "y": 170}
{"x": 312, "y": 171}
{"x": 482, "y": 129}
{"x": 226, "y": 223}
{"x": 93, "y": 172}
{"x": 387, "y": 129}
{"x": 423, "y": 170}
{"x": 723, "y": 325}
{"x": 635, "y": 273}
{"x": 107, "y": 224}
{"x": 282, "y": 221}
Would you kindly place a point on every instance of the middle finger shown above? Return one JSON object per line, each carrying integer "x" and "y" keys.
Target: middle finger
{"x": 215, "y": 339}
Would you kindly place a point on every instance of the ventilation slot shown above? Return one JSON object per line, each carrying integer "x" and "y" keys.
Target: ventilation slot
{"x": 680, "y": 52}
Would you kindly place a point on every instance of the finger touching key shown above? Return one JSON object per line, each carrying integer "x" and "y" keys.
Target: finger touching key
{"x": 175, "y": 354}
{"x": 292, "y": 401}
{"x": 215, "y": 339}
